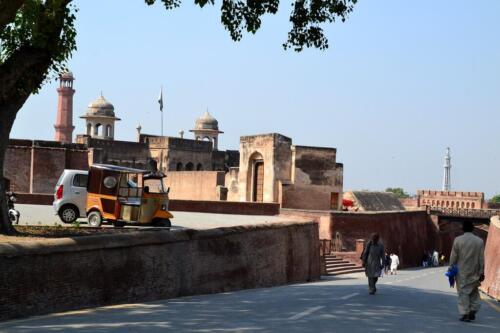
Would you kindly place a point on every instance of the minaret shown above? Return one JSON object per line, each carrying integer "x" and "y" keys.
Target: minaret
{"x": 64, "y": 122}
{"x": 447, "y": 171}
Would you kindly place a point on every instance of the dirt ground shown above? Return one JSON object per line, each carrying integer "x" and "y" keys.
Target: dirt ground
{"x": 31, "y": 233}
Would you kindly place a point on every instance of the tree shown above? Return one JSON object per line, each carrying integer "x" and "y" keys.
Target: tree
{"x": 398, "y": 191}
{"x": 37, "y": 37}
{"x": 495, "y": 199}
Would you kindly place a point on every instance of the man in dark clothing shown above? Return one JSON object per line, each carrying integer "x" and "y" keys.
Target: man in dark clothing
{"x": 373, "y": 261}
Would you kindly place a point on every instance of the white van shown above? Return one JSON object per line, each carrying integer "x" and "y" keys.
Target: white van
{"x": 70, "y": 196}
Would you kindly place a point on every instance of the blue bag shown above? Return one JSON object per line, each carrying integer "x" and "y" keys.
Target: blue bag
{"x": 451, "y": 273}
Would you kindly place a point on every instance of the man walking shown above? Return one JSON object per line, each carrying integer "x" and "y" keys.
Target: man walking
{"x": 467, "y": 254}
{"x": 373, "y": 259}
{"x": 394, "y": 263}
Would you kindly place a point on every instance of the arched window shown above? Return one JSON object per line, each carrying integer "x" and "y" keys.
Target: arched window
{"x": 206, "y": 138}
{"x": 189, "y": 166}
{"x": 452, "y": 204}
{"x": 199, "y": 167}
{"x": 433, "y": 202}
{"x": 467, "y": 206}
{"x": 472, "y": 205}
{"x": 442, "y": 203}
{"x": 97, "y": 130}
{"x": 463, "y": 204}
{"x": 179, "y": 166}
{"x": 447, "y": 203}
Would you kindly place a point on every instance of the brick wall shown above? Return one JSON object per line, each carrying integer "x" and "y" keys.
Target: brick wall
{"x": 17, "y": 168}
{"x": 225, "y": 207}
{"x": 35, "y": 166}
{"x": 407, "y": 233}
{"x": 491, "y": 284}
{"x": 194, "y": 185}
{"x": 65, "y": 274}
{"x": 48, "y": 165}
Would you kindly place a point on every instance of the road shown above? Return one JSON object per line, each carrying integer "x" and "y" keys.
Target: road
{"x": 44, "y": 215}
{"x": 413, "y": 301}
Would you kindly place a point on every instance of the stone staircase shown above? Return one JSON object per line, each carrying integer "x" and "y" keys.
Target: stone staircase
{"x": 337, "y": 266}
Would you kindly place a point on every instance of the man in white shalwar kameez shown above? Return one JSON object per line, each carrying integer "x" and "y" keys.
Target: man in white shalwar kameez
{"x": 468, "y": 255}
{"x": 394, "y": 263}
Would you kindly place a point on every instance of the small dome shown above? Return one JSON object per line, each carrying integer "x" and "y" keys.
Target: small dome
{"x": 101, "y": 107}
{"x": 67, "y": 75}
{"x": 206, "y": 122}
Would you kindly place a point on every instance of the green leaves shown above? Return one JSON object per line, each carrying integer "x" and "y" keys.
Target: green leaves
{"x": 398, "y": 191}
{"x": 45, "y": 28}
{"x": 306, "y": 17}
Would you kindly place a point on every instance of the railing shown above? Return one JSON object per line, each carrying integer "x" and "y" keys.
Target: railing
{"x": 325, "y": 247}
{"x": 464, "y": 212}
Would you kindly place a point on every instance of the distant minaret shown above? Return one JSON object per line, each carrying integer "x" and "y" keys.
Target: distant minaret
{"x": 447, "y": 171}
{"x": 64, "y": 121}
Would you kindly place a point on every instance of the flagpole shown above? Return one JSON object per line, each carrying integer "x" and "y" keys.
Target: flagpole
{"x": 160, "y": 101}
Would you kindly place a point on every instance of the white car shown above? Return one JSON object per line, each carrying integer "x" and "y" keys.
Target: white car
{"x": 70, "y": 196}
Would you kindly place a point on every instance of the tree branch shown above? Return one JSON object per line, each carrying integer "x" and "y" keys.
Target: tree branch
{"x": 26, "y": 68}
{"x": 8, "y": 10}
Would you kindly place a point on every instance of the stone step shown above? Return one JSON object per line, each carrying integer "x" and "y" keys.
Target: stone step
{"x": 339, "y": 269}
{"x": 337, "y": 261}
{"x": 346, "y": 271}
{"x": 342, "y": 264}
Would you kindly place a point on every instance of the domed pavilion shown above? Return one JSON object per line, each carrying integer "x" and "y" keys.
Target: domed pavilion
{"x": 100, "y": 119}
{"x": 207, "y": 128}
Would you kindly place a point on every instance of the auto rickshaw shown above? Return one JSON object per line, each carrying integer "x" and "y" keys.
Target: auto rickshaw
{"x": 123, "y": 195}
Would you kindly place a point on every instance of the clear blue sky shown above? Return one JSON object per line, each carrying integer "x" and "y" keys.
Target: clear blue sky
{"x": 402, "y": 80}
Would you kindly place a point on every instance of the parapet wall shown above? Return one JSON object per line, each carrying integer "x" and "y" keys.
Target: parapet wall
{"x": 195, "y": 185}
{"x": 65, "y": 274}
{"x": 462, "y": 194}
{"x": 491, "y": 284}
{"x": 407, "y": 233}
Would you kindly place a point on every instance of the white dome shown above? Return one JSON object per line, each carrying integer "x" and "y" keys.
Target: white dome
{"x": 101, "y": 107}
{"x": 206, "y": 122}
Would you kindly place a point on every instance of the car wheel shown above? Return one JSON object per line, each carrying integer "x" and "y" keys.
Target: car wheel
{"x": 68, "y": 214}
{"x": 163, "y": 223}
{"x": 94, "y": 218}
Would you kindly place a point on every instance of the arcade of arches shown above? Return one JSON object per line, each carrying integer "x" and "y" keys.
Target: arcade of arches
{"x": 451, "y": 199}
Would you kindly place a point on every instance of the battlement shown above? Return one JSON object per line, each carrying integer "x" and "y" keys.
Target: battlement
{"x": 457, "y": 194}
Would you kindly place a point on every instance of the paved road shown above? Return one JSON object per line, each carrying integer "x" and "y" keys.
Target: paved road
{"x": 44, "y": 215}
{"x": 413, "y": 301}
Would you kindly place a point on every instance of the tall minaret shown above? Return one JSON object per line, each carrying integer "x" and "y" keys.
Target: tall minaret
{"x": 447, "y": 171}
{"x": 64, "y": 122}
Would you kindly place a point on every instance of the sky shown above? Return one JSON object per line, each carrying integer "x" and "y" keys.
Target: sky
{"x": 401, "y": 81}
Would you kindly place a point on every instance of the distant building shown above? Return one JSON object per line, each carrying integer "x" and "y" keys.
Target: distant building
{"x": 365, "y": 201}
{"x": 267, "y": 168}
{"x": 450, "y": 199}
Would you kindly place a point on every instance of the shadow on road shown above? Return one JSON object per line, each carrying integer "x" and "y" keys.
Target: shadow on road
{"x": 316, "y": 307}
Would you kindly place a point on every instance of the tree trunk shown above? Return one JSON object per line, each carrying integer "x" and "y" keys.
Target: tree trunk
{"x": 6, "y": 122}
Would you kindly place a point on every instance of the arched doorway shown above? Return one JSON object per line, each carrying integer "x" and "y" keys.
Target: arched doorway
{"x": 189, "y": 166}
{"x": 255, "y": 178}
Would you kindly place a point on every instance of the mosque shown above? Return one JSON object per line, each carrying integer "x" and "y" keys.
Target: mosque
{"x": 267, "y": 168}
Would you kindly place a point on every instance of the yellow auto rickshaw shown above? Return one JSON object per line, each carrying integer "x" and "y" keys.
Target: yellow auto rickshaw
{"x": 122, "y": 195}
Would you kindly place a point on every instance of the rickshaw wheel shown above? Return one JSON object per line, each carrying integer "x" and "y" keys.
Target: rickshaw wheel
{"x": 162, "y": 223}
{"x": 94, "y": 218}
